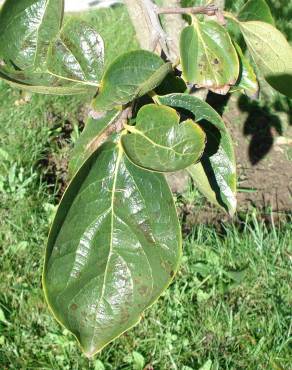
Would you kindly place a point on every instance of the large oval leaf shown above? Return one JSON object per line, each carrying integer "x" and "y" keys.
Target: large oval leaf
{"x": 256, "y": 10}
{"x": 77, "y": 54}
{"x": 26, "y": 29}
{"x": 208, "y": 56}
{"x": 112, "y": 250}
{"x": 95, "y": 133}
{"x": 159, "y": 143}
{"x": 130, "y": 75}
{"x": 215, "y": 175}
{"x": 271, "y": 52}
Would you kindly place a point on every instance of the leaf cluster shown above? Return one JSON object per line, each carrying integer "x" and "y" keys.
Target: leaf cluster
{"x": 115, "y": 243}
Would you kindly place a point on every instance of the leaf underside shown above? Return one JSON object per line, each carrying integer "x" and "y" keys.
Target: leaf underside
{"x": 112, "y": 250}
{"x": 271, "y": 52}
{"x": 256, "y": 10}
{"x": 158, "y": 141}
{"x": 247, "y": 81}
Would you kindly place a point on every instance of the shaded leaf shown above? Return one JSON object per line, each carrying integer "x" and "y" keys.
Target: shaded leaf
{"x": 247, "y": 82}
{"x": 256, "y": 10}
{"x": 208, "y": 56}
{"x": 26, "y": 29}
{"x": 215, "y": 175}
{"x": 131, "y": 75}
{"x": 158, "y": 142}
{"x": 77, "y": 54}
{"x": 111, "y": 251}
{"x": 271, "y": 52}
{"x": 95, "y": 133}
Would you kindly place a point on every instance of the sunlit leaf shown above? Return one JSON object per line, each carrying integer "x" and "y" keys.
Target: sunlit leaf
{"x": 77, "y": 54}
{"x": 26, "y": 29}
{"x": 271, "y": 52}
{"x": 112, "y": 250}
{"x": 160, "y": 143}
{"x": 208, "y": 56}
{"x": 130, "y": 75}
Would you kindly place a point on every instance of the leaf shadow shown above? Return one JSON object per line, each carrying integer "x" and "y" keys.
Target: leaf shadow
{"x": 262, "y": 125}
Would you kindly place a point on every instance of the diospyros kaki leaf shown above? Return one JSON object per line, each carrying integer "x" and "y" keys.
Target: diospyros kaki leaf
{"x": 77, "y": 54}
{"x": 112, "y": 250}
{"x": 247, "y": 81}
{"x": 26, "y": 29}
{"x": 208, "y": 56}
{"x": 95, "y": 133}
{"x": 271, "y": 52}
{"x": 130, "y": 75}
{"x": 37, "y": 58}
{"x": 215, "y": 174}
{"x": 256, "y": 10}
{"x": 158, "y": 141}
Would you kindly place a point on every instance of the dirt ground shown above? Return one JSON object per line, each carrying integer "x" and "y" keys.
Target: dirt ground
{"x": 263, "y": 145}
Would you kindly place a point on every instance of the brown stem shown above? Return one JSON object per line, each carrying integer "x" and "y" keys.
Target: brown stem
{"x": 208, "y": 10}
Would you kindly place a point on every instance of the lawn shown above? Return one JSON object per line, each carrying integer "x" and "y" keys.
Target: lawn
{"x": 229, "y": 307}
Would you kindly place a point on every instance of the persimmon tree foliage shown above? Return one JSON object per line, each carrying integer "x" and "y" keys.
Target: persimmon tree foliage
{"x": 115, "y": 243}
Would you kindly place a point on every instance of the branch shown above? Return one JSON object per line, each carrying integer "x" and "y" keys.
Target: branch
{"x": 208, "y": 10}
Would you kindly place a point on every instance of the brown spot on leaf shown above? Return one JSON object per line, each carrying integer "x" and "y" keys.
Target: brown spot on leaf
{"x": 73, "y": 307}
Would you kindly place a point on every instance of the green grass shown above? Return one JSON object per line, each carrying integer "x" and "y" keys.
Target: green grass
{"x": 228, "y": 308}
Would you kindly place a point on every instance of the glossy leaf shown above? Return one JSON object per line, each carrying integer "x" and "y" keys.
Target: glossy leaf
{"x": 26, "y": 29}
{"x": 95, "y": 133}
{"x": 247, "y": 81}
{"x": 159, "y": 142}
{"x": 215, "y": 175}
{"x": 256, "y": 10}
{"x": 130, "y": 75}
{"x": 271, "y": 52}
{"x": 111, "y": 251}
{"x": 208, "y": 56}
{"x": 77, "y": 54}
{"x": 44, "y": 83}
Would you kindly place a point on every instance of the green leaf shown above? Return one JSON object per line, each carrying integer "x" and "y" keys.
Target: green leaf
{"x": 256, "y": 10}
{"x": 158, "y": 141}
{"x": 208, "y": 56}
{"x": 77, "y": 54}
{"x": 131, "y": 75}
{"x": 95, "y": 133}
{"x": 44, "y": 83}
{"x": 247, "y": 82}
{"x": 271, "y": 52}
{"x": 215, "y": 175}
{"x": 26, "y": 29}
{"x": 112, "y": 250}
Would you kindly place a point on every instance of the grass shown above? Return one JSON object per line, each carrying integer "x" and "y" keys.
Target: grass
{"x": 228, "y": 308}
